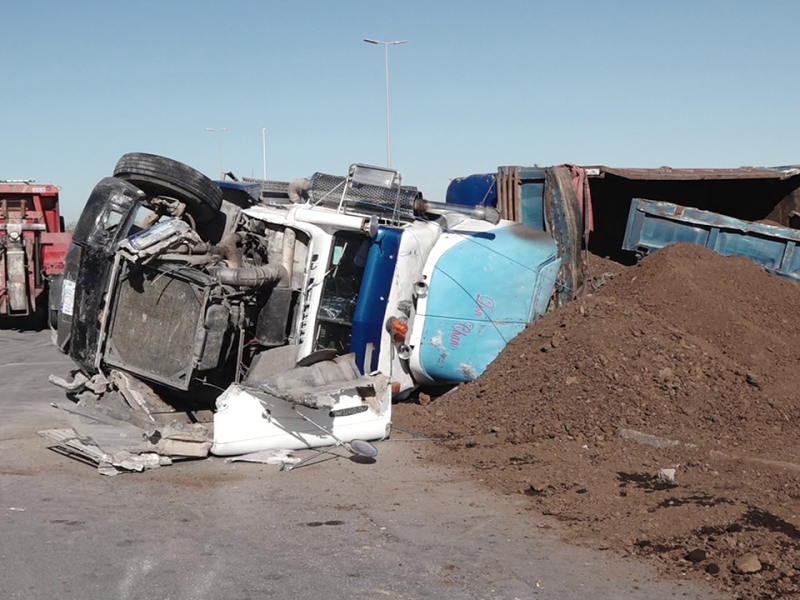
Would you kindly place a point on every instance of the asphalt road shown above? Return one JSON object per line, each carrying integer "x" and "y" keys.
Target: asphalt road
{"x": 211, "y": 530}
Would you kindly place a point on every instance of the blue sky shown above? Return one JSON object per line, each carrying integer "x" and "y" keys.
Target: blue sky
{"x": 479, "y": 84}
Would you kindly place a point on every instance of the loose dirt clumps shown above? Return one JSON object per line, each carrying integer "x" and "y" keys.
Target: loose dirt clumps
{"x": 686, "y": 362}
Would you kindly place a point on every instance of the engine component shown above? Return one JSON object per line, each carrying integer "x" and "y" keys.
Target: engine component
{"x": 249, "y": 276}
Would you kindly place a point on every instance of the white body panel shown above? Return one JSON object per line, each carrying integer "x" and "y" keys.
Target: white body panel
{"x": 415, "y": 246}
{"x": 247, "y": 423}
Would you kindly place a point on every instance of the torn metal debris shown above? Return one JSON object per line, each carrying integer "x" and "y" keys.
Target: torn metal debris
{"x": 116, "y": 443}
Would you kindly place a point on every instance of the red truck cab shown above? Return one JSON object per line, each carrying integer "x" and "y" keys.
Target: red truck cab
{"x": 33, "y": 247}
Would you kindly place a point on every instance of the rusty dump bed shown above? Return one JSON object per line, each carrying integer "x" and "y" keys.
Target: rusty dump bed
{"x": 36, "y": 202}
{"x": 745, "y": 193}
{"x": 670, "y": 173}
{"x": 33, "y": 245}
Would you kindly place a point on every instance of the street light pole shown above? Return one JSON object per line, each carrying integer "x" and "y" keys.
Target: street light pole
{"x": 388, "y": 109}
{"x": 219, "y": 131}
{"x": 264, "y": 149}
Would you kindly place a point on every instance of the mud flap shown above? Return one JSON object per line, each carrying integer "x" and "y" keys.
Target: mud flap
{"x": 17, "y": 282}
{"x": 54, "y": 285}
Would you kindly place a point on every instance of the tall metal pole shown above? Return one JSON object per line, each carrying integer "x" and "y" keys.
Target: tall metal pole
{"x": 388, "y": 112}
{"x": 219, "y": 131}
{"x": 264, "y": 149}
{"x": 388, "y": 103}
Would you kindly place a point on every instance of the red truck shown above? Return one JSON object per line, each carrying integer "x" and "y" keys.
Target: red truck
{"x": 33, "y": 248}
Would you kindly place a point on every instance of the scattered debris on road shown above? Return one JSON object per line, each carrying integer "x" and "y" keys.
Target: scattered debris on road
{"x": 116, "y": 443}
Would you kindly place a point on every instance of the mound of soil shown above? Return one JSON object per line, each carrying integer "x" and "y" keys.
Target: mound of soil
{"x": 686, "y": 361}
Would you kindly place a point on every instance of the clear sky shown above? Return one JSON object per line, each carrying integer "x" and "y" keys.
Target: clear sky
{"x": 479, "y": 84}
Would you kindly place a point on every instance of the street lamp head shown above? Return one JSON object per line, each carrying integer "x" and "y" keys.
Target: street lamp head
{"x": 369, "y": 41}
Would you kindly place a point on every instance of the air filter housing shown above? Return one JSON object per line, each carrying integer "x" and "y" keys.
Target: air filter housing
{"x": 326, "y": 190}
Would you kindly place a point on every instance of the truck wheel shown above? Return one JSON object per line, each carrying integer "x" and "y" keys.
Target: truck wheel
{"x": 157, "y": 175}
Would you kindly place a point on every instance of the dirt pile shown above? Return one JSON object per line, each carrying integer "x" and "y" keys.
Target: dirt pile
{"x": 687, "y": 361}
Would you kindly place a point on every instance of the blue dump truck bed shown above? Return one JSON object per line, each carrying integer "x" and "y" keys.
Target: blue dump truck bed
{"x": 653, "y": 225}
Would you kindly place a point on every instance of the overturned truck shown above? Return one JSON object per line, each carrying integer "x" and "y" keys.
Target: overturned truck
{"x": 296, "y": 311}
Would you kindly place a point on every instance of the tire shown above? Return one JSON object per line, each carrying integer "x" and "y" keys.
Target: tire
{"x": 157, "y": 175}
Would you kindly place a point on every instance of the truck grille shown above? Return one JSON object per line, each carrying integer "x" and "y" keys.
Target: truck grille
{"x": 148, "y": 336}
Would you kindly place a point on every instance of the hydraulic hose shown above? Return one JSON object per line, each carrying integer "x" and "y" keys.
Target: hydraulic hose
{"x": 251, "y": 276}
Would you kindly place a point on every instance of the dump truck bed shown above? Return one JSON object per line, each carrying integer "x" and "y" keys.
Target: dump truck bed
{"x": 653, "y": 225}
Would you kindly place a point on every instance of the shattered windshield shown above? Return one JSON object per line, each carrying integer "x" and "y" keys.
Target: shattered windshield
{"x": 340, "y": 291}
